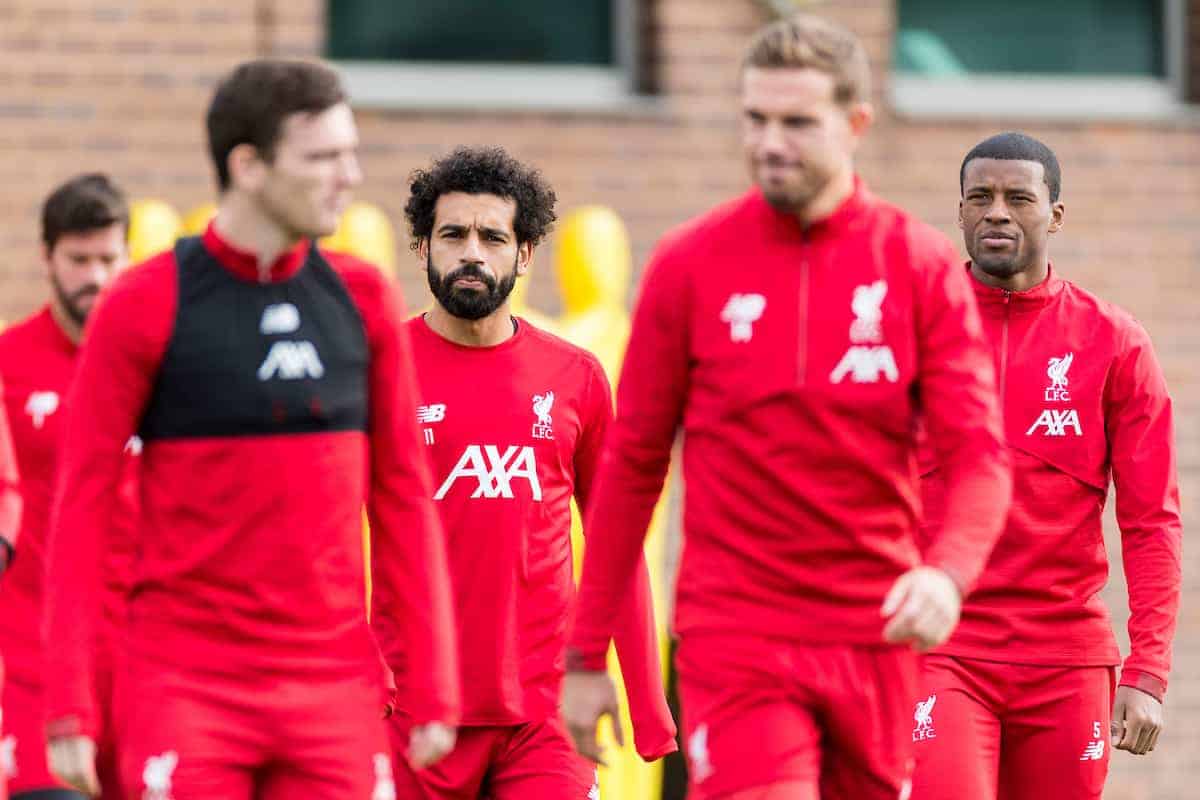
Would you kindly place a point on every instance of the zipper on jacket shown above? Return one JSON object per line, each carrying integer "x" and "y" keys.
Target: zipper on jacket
{"x": 1004, "y": 347}
{"x": 802, "y": 314}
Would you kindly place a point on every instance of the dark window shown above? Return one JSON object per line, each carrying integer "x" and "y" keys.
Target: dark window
{"x": 1077, "y": 37}
{"x": 545, "y": 32}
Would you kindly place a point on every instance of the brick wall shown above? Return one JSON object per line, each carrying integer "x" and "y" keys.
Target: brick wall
{"x": 122, "y": 86}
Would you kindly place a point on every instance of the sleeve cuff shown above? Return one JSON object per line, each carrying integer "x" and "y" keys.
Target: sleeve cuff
{"x": 577, "y": 661}
{"x": 1144, "y": 682}
{"x": 72, "y": 725}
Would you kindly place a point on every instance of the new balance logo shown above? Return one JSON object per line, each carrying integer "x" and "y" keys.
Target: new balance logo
{"x": 865, "y": 363}
{"x": 41, "y": 405}
{"x": 431, "y": 413}
{"x": 291, "y": 361}
{"x": 1094, "y": 751}
{"x": 741, "y": 312}
{"x": 494, "y": 471}
{"x": 279, "y": 318}
{"x": 8, "y": 757}
{"x": 1056, "y": 422}
{"x": 923, "y": 716}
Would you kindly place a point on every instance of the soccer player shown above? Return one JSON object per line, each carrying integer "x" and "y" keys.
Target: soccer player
{"x": 85, "y": 224}
{"x": 513, "y": 419}
{"x": 10, "y": 523}
{"x": 272, "y": 386}
{"x": 1021, "y": 695}
{"x": 795, "y": 334}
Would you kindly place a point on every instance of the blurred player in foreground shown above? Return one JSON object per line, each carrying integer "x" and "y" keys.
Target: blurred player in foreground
{"x": 85, "y": 226}
{"x": 10, "y": 525}
{"x": 795, "y": 334}
{"x": 513, "y": 419}
{"x": 1022, "y": 694}
{"x": 272, "y": 385}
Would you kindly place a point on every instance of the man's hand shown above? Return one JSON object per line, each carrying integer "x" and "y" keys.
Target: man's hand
{"x": 922, "y": 608}
{"x": 1136, "y": 721}
{"x": 429, "y": 744}
{"x": 73, "y": 760}
{"x": 588, "y": 696}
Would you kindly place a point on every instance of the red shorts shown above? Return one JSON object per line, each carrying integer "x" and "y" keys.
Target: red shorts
{"x": 534, "y": 761}
{"x": 831, "y": 718}
{"x": 989, "y": 730}
{"x": 191, "y": 736}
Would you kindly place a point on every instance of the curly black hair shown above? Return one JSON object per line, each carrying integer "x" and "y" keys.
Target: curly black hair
{"x": 481, "y": 170}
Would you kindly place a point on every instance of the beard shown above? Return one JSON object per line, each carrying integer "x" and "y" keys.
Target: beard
{"x": 793, "y": 196}
{"x": 469, "y": 304}
{"x": 73, "y": 303}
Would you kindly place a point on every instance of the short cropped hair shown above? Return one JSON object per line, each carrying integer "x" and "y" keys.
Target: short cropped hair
{"x": 252, "y": 102}
{"x": 803, "y": 41}
{"x": 1013, "y": 146}
{"x": 481, "y": 170}
{"x": 85, "y": 203}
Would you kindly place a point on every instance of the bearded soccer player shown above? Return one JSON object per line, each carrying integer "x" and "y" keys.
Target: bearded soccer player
{"x": 513, "y": 419}
{"x": 10, "y": 524}
{"x": 271, "y": 383}
{"x": 795, "y": 333}
{"x": 85, "y": 223}
{"x": 1022, "y": 694}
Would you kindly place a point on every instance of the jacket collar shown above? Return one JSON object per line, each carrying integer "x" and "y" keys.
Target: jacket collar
{"x": 245, "y": 265}
{"x": 836, "y": 223}
{"x": 1032, "y": 299}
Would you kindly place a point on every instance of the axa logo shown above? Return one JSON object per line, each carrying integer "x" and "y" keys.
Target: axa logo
{"x": 1057, "y": 422}
{"x": 1057, "y": 391}
{"x": 157, "y": 774}
{"x": 867, "y": 305}
{"x": 279, "y": 318}
{"x": 494, "y": 472}
{"x": 865, "y": 363}
{"x": 291, "y": 361}
{"x": 741, "y": 312}
{"x": 923, "y": 716}
{"x": 41, "y": 405}
{"x": 544, "y": 427}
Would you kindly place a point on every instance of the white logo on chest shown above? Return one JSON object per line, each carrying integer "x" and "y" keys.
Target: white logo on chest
{"x": 741, "y": 312}
{"x": 157, "y": 775}
{"x": 1057, "y": 421}
{"x": 279, "y": 318}
{"x": 41, "y": 405}
{"x": 867, "y": 358}
{"x": 543, "y": 428}
{"x": 290, "y": 361}
{"x": 923, "y": 716}
{"x": 494, "y": 471}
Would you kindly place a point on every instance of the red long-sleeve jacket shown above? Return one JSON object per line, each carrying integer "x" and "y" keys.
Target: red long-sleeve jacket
{"x": 38, "y": 362}
{"x": 796, "y": 361}
{"x": 513, "y": 433}
{"x": 1084, "y": 401}
{"x": 270, "y": 410}
{"x": 10, "y": 495}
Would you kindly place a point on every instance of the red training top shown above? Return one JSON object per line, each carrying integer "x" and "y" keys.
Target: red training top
{"x": 514, "y": 432}
{"x": 1083, "y": 399}
{"x": 797, "y": 361}
{"x": 10, "y": 494}
{"x": 38, "y": 363}
{"x": 272, "y": 403}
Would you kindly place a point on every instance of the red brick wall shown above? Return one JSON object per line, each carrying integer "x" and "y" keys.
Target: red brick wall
{"x": 122, "y": 86}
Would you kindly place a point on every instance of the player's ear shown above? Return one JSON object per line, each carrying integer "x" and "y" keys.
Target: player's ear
{"x": 961, "y": 224}
{"x": 524, "y": 257}
{"x": 1057, "y": 212}
{"x": 422, "y": 251}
